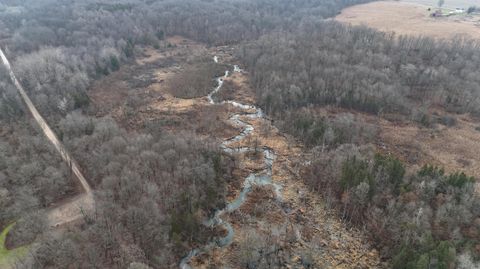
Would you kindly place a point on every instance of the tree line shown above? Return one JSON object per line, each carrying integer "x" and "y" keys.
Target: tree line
{"x": 327, "y": 63}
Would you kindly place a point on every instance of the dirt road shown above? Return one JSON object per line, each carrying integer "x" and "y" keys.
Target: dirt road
{"x": 74, "y": 209}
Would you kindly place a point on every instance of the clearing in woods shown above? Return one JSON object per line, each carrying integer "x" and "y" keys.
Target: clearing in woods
{"x": 410, "y": 19}
{"x": 454, "y": 148}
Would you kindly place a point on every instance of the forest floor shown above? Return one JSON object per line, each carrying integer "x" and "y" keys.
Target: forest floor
{"x": 410, "y": 19}
{"x": 311, "y": 227}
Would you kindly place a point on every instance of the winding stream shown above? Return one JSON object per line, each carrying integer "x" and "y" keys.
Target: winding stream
{"x": 262, "y": 178}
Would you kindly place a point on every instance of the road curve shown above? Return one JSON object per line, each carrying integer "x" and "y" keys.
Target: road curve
{"x": 74, "y": 209}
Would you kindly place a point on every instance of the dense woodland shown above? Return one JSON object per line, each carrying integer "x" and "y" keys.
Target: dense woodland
{"x": 152, "y": 193}
{"x": 60, "y": 45}
{"x": 359, "y": 68}
{"x": 153, "y": 189}
{"x": 423, "y": 219}
{"x": 32, "y": 175}
{"x": 419, "y": 220}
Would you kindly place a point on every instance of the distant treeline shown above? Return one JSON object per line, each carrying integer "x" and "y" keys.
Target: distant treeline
{"x": 61, "y": 45}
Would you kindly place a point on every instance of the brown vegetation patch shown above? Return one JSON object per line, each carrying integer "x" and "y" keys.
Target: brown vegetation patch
{"x": 237, "y": 87}
{"x": 252, "y": 161}
{"x": 453, "y": 147}
{"x": 409, "y": 19}
{"x": 110, "y": 92}
{"x": 261, "y": 205}
{"x": 150, "y": 55}
{"x": 456, "y": 148}
{"x": 196, "y": 80}
{"x": 269, "y": 136}
{"x": 203, "y": 120}
{"x": 140, "y": 95}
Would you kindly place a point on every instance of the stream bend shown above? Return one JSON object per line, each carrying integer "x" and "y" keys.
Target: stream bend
{"x": 262, "y": 178}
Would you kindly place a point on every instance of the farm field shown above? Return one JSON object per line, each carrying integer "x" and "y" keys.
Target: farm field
{"x": 448, "y": 4}
{"x": 406, "y": 18}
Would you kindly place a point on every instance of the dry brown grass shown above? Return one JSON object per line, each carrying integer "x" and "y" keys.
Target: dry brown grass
{"x": 456, "y": 148}
{"x": 151, "y": 55}
{"x": 154, "y": 68}
{"x": 237, "y": 87}
{"x": 409, "y": 19}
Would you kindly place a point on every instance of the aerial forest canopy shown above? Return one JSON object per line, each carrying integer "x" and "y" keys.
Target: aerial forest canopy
{"x": 97, "y": 35}
{"x": 360, "y": 68}
{"x": 154, "y": 188}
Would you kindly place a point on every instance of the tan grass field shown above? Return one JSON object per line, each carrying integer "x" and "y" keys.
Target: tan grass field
{"x": 410, "y": 19}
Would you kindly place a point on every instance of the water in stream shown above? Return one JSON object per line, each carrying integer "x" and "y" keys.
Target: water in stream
{"x": 263, "y": 178}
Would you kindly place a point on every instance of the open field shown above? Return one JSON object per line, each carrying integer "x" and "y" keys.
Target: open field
{"x": 448, "y": 4}
{"x": 410, "y": 19}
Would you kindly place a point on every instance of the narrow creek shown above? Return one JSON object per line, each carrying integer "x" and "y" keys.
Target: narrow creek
{"x": 262, "y": 178}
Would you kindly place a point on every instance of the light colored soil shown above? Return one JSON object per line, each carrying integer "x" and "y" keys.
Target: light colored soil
{"x": 410, "y": 19}
{"x": 72, "y": 210}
